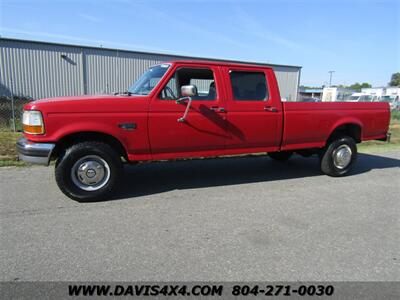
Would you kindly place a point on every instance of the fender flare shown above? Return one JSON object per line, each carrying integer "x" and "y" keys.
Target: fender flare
{"x": 345, "y": 122}
{"x": 87, "y": 128}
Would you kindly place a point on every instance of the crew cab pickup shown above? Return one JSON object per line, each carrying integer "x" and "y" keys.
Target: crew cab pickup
{"x": 189, "y": 109}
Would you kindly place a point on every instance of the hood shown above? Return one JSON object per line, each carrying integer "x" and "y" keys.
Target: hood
{"x": 74, "y": 98}
{"x": 90, "y": 103}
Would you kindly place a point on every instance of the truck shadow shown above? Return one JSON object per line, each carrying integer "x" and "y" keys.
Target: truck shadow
{"x": 160, "y": 177}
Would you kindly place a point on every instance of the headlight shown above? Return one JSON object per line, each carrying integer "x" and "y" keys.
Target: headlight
{"x": 32, "y": 122}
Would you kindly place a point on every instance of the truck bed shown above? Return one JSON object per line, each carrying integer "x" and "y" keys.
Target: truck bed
{"x": 308, "y": 124}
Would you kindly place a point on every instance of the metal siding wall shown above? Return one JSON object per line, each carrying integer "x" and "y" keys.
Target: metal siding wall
{"x": 288, "y": 82}
{"x": 109, "y": 71}
{"x": 37, "y": 70}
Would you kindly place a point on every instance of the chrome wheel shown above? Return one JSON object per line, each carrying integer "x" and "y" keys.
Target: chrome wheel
{"x": 90, "y": 173}
{"x": 342, "y": 156}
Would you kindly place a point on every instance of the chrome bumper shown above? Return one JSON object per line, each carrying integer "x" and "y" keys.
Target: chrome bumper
{"x": 35, "y": 153}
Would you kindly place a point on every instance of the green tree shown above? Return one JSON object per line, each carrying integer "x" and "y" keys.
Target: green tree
{"x": 304, "y": 87}
{"x": 358, "y": 86}
{"x": 395, "y": 80}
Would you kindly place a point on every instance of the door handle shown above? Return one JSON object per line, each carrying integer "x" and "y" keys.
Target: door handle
{"x": 270, "y": 109}
{"x": 219, "y": 109}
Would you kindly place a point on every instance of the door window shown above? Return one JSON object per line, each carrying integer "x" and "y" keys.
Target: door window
{"x": 203, "y": 79}
{"x": 249, "y": 86}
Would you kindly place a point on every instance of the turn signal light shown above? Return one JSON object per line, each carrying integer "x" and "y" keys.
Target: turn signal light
{"x": 33, "y": 129}
{"x": 32, "y": 122}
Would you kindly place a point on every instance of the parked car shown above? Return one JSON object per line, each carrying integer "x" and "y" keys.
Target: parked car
{"x": 394, "y": 101}
{"x": 162, "y": 117}
{"x": 310, "y": 99}
{"x": 358, "y": 97}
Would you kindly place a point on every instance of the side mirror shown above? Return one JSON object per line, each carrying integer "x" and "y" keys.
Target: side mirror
{"x": 188, "y": 91}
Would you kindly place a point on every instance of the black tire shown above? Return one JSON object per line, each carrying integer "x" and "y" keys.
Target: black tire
{"x": 282, "y": 156}
{"x": 97, "y": 153}
{"x": 328, "y": 164}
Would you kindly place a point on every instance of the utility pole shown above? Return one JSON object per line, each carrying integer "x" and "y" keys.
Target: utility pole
{"x": 330, "y": 77}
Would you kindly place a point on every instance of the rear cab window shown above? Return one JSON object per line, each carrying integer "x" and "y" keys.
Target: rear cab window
{"x": 249, "y": 85}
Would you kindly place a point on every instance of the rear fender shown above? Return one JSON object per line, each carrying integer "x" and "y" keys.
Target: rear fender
{"x": 345, "y": 122}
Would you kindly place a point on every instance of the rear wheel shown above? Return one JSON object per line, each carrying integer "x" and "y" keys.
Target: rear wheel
{"x": 282, "y": 156}
{"x": 88, "y": 171}
{"x": 339, "y": 156}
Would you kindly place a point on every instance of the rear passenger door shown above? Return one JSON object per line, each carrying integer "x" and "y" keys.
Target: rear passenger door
{"x": 254, "y": 110}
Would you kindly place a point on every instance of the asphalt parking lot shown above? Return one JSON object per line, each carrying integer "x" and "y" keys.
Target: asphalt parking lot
{"x": 232, "y": 219}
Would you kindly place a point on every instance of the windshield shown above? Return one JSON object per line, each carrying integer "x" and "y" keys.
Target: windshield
{"x": 145, "y": 84}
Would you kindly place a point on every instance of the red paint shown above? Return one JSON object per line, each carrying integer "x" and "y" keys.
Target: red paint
{"x": 245, "y": 126}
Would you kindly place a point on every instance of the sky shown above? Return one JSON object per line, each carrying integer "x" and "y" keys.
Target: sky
{"x": 358, "y": 39}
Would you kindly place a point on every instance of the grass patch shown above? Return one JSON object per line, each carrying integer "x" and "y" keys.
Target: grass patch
{"x": 8, "y": 152}
{"x": 9, "y": 157}
{"x": 395, "y": 115}
{"x": 12, "y": 162}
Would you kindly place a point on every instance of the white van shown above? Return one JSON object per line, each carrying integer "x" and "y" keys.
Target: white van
{"x": 360, "y": 97}
{"x": 394, "y": 101}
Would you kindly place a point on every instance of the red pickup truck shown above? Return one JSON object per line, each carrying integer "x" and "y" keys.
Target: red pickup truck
{"x": 187, "y": 109}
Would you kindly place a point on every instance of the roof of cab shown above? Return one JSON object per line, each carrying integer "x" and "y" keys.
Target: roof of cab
{"x": 220, "y": 63}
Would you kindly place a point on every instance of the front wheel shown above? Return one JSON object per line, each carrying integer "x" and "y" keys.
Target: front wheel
{"x": 339, "y": 156}
{"x": 88, "y": 171}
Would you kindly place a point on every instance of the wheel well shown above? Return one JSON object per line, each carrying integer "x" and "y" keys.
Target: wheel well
{"x": 352, "y": 130}
{"x": 74, "y": 138}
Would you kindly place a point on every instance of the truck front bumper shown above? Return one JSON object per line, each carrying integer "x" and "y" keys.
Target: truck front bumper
{"x": 35, "y": 153}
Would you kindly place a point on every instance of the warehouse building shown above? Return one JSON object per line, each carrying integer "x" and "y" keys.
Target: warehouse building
{"x": 41, "y": 69}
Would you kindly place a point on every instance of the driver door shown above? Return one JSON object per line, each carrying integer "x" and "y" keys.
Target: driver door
{"x": 203, "y": 133}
